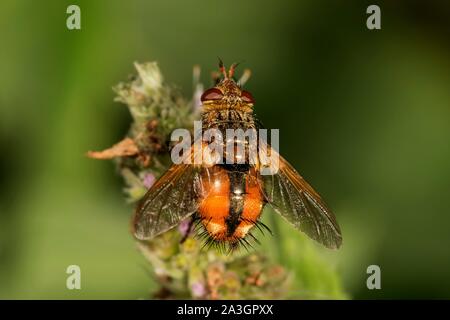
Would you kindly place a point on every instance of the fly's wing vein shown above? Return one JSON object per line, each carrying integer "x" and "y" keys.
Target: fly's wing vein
{"x": 170, "y": 200}
{"x": 296, "y": 201}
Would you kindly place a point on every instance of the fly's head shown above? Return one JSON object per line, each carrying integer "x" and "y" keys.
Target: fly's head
{"x": 227, "y": 93}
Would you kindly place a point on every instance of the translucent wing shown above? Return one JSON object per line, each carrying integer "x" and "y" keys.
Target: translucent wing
{"x": 170, "y": 200}
{"x": 295, "y": 200}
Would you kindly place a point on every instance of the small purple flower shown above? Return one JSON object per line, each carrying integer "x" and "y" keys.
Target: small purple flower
{"x": 198, "y": 290}
{"x": 149, "y": 180}
{"x": 184, "y": 226}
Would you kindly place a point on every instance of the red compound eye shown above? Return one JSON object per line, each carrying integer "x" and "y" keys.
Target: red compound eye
{"x": 247, "y": 97}
{"x": 211, "y": 94}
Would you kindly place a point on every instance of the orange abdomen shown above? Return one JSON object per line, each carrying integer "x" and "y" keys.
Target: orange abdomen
{"x": 232, "y": 203}
{"x": 215, "y": 206}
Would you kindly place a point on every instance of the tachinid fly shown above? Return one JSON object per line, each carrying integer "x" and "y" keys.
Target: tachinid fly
{"x": 225, "y": 198}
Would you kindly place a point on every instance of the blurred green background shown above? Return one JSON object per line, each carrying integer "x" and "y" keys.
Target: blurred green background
{"x": 363, "y": 115}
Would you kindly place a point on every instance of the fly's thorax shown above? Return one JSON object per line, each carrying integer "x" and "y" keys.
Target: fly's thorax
{"x": 234, "y": 129}
{"x": 227, "y": 118}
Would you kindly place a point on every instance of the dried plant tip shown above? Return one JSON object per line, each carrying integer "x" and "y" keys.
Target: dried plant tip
{"x": 196, "y": 75}
{"x": 144, "y": 160}
{"x": 152, "y": 125}
{"x": 245, "y": 76}
{"x": 125, "y": 148}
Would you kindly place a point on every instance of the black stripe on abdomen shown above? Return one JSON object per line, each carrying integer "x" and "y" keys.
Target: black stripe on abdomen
{"x": 236, "y": 174}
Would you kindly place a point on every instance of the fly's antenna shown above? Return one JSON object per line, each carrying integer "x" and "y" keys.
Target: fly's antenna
{"x": 215, "y": 76}
{"x": 232, "y": 68}
{"x": 231, "y": 71}
{"x": 222, "y": 68}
